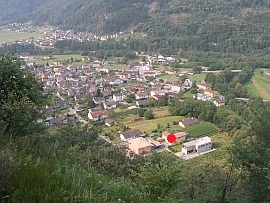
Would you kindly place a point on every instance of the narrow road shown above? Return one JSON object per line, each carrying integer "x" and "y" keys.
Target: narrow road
{"x": 105, "y": 139}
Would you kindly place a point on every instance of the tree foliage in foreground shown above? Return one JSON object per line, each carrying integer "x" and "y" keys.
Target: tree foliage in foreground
{"x": 21, "y": 97}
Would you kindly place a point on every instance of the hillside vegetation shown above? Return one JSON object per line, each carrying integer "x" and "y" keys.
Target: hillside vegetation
{"x": 204, "y": 26}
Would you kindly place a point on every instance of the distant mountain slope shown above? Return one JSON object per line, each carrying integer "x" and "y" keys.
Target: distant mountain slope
{"x": 229, "y": 26}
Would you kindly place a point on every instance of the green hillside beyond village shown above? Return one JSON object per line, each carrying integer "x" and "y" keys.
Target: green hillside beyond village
{"x": 134, "y": 101}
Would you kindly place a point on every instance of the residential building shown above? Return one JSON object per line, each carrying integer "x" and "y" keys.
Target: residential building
{"x": 188, "y": 122}
{"x": 96, "y": 64}
{"x": 177, "y": 87}
{"x": 180, "y": 137}
{"x": 109, "y": 122}
{"x": 129, "y": 135}
{"x": 142, "y": 95}
{"x": 157, "y": 92}
{"x": 200, "y": 145}
{"x": 109, "y": 105}
{"x": 139, "y": 146}
{"x": 117, "y": 97}
{"x": 98, "y": 115}
{"x": 62, "y": 120}
{"x": 99, "y": 100}
{"x": 113, "y": 80}
{"x": 219, "y": 102}
{"x": 142, "y": 102}
{"x": 204, "y": 86}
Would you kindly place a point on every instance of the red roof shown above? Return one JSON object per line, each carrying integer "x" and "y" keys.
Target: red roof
{"x": 97, "y": 114}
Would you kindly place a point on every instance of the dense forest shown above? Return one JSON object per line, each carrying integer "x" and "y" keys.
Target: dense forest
{"x": 169, "y": 27}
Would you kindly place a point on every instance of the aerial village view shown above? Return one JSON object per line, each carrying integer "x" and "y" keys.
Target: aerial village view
{"x": 134, "y": 101}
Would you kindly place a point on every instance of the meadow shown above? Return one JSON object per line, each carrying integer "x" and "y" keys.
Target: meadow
{"x": 10, "y": 36}
{"x": 201, "y": 129}
{"x": 39, "y": 59}
{"x": 197, "y": 77}
{"x": 149, "y": 125}
{"x": 260, "y": 84}
{"x": 169, "y": 78}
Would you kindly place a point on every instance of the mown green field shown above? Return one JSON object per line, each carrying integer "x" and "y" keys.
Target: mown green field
{"x": 252, "y": 89}
{"x": 149, "y": 125}
{"x": 201, "y": 129}
{"x": 10, "y": 36}
{"x": 260, "y": 84}
{"x": 39, "y": 59}
{"x": 118, "y": 67}
{"x": 197, "y": 77}
{"x": 169, "y": 78}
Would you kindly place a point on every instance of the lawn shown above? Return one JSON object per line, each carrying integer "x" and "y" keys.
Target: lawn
{"x": 39, "y": 59}
{"x": 161, "y": 112}
{"x": 252, "y": 89}
{"x": 262, "y": 84}
{"x": 10, "y": 36}
{"x": 176, "y": 148}
{"x": 201, "y": 129}
{"x": 118, "y": 67}
{"x": 188, "y": 96}
{"x": 198, "y": 77}
{"x": 149, "y": 125}
{"x": 169, "y": 78}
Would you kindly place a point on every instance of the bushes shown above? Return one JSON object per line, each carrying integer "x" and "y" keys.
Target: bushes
{"x": 175, "y": 123}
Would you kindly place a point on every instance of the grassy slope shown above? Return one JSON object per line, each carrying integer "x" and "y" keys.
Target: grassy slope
{"x": 198, "y": 77}
{"x": 149, "y": 125}
{"x": 9, "y": 36}
{"x": 39, "y": 58}
{"x": 169, "y": 78}
{"x": 201, "y": 129}
{"x": 260, "y": 85}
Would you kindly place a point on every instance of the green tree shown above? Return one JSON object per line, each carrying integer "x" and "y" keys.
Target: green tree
{"x": 130, "y": 98}
{"x": 21, "y": 98}
{"x": 197, "y": 69}
{"x": 251, "y": 153}
{"x": 148, "y": 114}
{"x": 141, "y": 111}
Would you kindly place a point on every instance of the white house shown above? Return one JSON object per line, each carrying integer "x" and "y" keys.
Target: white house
{"x": 112, "y": 80}
{"x": 142, "y": 95}
{"x": 96, "y": 64}
{"x": 98, "y": 115}
{"x": 200, "y": 145}
{"x": 161, "y": 59}
{"x": 157, "y": 92}
{"x": 109, "y": 105}
{"x": 177, "y": 87}
{"x": 117, "y": 97}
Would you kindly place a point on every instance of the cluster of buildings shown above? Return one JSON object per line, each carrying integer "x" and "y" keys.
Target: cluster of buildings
{"x": 205, "y": 93}
{"x": 50, "y": 36}
{"x": 161, "y": 59}
{"x": 72, "y": 85}
{"x": 139, "y": 144}
{"x": 75, "y": 87}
